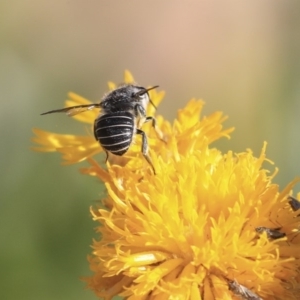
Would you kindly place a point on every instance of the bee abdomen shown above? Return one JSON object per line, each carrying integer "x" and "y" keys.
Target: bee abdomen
{"x": 115, "y": 131}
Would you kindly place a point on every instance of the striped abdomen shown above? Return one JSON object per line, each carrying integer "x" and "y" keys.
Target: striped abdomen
{"x": 115, "y": 131}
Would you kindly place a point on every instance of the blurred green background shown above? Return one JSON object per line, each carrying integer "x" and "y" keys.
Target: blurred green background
{"x": 240, "y": 57}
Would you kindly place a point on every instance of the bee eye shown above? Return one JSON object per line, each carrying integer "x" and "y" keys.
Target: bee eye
{"x": 138, "y": 94}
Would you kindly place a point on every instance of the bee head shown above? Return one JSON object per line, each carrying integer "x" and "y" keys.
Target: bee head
{"x": 142, "y": 94}
{"x": 260, "y": 229}
{"x": 125, "y": 98}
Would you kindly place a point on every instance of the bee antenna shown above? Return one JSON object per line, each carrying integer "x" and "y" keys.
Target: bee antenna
{"x": 142, "y": 92}
{"x": 152, "y": 104}
{"x": 151, "y": 88}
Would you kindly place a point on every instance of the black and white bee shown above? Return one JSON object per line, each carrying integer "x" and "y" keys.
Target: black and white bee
{"x": 122, "y": 113}
{"x": 272, "y": 233}
{"x": 294, "y": 203}
{"x": 241, "y": 291}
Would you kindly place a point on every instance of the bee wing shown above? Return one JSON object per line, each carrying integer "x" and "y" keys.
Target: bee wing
{"x": 250, "y": 295}
{"x": 73, "y": 110}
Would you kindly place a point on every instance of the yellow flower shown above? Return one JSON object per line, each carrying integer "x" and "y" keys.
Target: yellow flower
{"x": 185, "y": 232}
{"x": 207, "y": 226}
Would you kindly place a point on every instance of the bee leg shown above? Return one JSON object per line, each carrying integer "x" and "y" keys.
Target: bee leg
{"x": 145, "y": 148}
{"x": 157, "y": 130}
{"x": 106, "y": 159}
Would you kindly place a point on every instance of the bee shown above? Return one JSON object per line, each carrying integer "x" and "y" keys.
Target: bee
{"x": 272, "y": 233}
{"x": 294, "y": 203}
{"x": 122, "y": 113}
{"x": 241, "y": 291}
